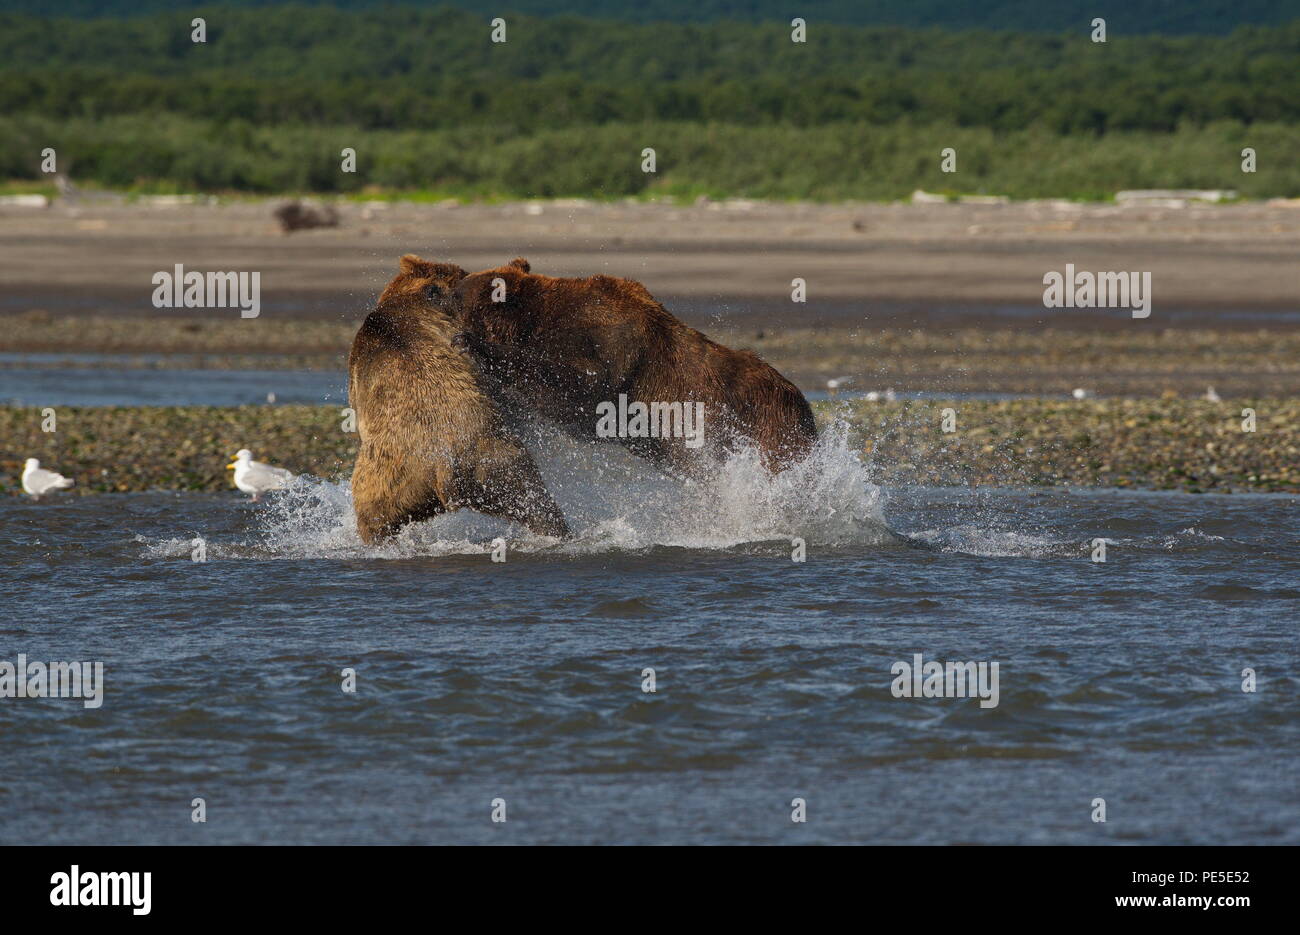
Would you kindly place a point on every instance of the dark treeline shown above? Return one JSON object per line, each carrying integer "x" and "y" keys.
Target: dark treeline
{"x": 566, "y": 105}
{"x": 406, "y": 68}
{"x": 1170, "y": 17}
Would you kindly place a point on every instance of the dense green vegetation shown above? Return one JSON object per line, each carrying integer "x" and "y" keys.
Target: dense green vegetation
{"x": 565, "y": 106}
{"x": 837, "y": 161}
{"x": 398, "y": 68}
{"x": 1172, "y": 17}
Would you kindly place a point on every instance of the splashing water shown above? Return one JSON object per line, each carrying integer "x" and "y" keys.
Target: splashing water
{"x": 613, "y": 501}
{"x": 616, "y": 502}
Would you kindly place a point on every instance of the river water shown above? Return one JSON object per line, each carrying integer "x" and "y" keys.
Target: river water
{"x": 522, "y": 682}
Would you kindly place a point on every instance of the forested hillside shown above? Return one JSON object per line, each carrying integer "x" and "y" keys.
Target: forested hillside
{"x": 403, "y": 68}
{"x": 565, "y": 105}
{"x": 1171, "y": 17}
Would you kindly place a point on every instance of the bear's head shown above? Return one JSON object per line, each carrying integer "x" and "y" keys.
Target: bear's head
{"x": 424, "y": 281}
{"x": 496, "y": 304}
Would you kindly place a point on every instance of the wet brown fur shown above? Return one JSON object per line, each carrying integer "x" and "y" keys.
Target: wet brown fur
{"x": 560, "y": 346}
{"x": 432, "y": 440}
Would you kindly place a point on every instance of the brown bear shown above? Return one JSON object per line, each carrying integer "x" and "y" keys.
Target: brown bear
{"x": 432, "y": 440}
{"x": 587, "y": 353}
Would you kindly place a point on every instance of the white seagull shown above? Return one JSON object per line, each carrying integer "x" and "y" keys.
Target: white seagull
{"x": 1212, "y": 396}
{"x": 1081, "y": 393}
{"x": 255, "y": 477}
{"x": 37, "y": 481}
{"x": 834, "y": 384}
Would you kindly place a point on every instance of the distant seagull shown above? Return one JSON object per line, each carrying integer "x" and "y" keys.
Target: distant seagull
{"x": 834, "y": 384}
{"x": 875, "y": 396}
{"x": 1081, "y": 393}
{"x": 270, "y": 398}
{"x": 255, "y": 477}
{"x": 1211, "y": 395}
{"x": 37, "y": 481}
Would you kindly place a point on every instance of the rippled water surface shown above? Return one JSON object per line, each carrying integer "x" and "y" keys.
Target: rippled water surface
{"x": 97, "y": 386}
{"x": 94, "y": 381}
{"x": 522, "y": 680}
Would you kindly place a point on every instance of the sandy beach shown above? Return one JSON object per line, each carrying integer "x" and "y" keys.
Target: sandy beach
{"x": 892, "y": 261}
{"x": 921, "y": 297}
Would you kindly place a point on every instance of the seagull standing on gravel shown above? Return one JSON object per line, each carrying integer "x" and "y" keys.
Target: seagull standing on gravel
{"x": 255, "y": 477}
{"x": 37, "y": 481}
{"x": 1211, "y": 395}
{"x": 1081, "y": 393}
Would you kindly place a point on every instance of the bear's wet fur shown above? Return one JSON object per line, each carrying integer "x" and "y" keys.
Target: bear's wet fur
{"x": 432, "y": 440}
{"x": 561, "y": 346}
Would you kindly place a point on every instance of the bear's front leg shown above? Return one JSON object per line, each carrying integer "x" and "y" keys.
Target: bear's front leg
{"x": 390, "y": 490}
{"x": 505, "y": 482}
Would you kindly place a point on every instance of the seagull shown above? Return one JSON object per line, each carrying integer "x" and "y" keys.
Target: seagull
{"x": 255, "y": 477}
{"x": 833, "y": 385}
{"x": 1081, "y": 393}
{"x": 1211, "y": 395}
{"x": 875, "y": 396}
{"x": 37, "y": 481}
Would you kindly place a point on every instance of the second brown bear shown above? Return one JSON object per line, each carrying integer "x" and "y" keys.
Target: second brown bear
{"x": 577, "y": 351}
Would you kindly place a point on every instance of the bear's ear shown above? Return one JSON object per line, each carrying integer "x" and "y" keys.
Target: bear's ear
{"x": 447, "y": 271}
{"x": 521, "y": 264}
{"x": 412, "y": 265}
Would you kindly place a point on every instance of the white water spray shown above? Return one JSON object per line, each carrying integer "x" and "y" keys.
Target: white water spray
{"x": 613, "y": 502}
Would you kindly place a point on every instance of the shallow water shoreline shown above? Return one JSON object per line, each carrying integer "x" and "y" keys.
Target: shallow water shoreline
{"x": 1161, "y": 443}
{"x": 998, "y": 354}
